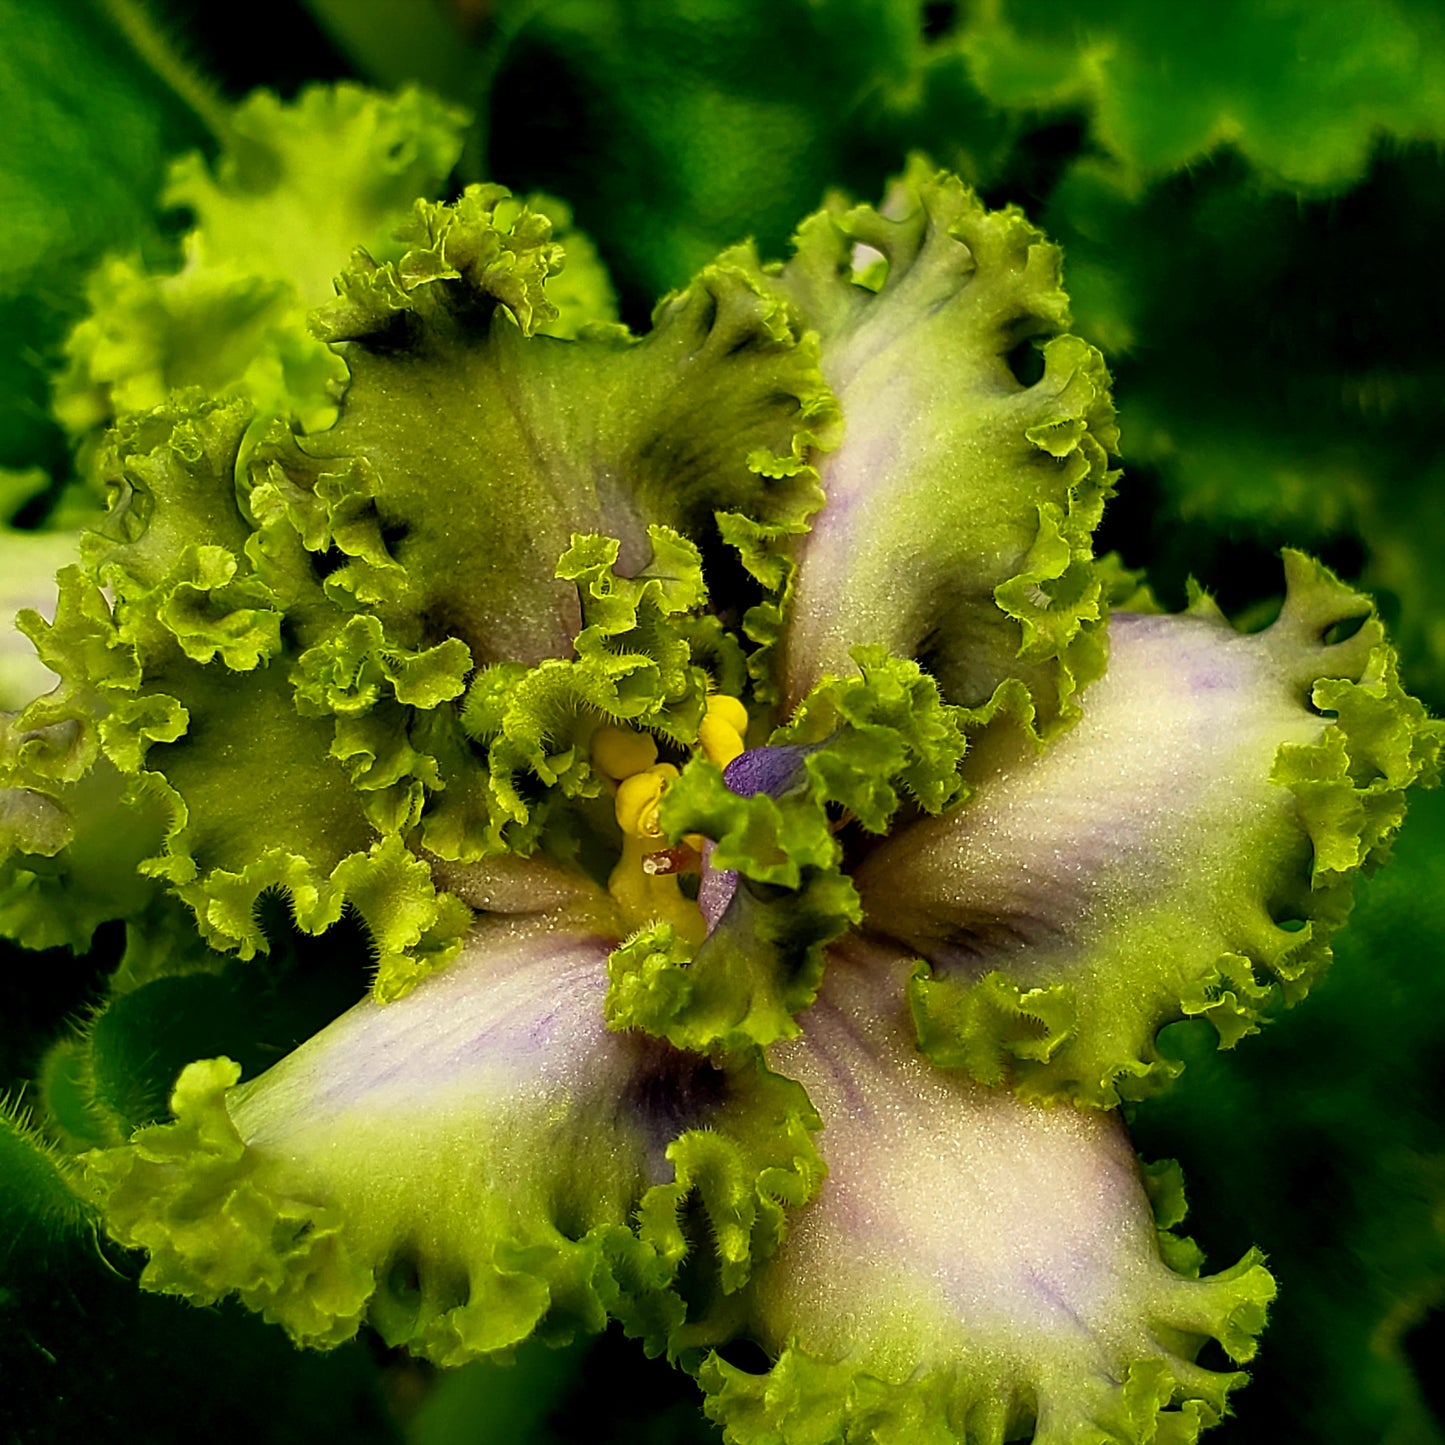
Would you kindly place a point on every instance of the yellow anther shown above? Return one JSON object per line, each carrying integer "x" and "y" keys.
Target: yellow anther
{"x": 638, "y": 798}
{"x": 720, "y": 734}
{"x": 719, "y": 740}
{"x": 620, "y": 752}
{"x": 729, "y": 710}
{"x": 644, "y": 882}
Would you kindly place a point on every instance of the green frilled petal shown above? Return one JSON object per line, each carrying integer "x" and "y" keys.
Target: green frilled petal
{"x": 220, "y": 327}
{"x": 220, "y": 725}
{"x": 962, "y": 501}
{"x": 28, "y": 564}
{"x": 70, "y": 856}
{"x": 245, "y": 649}
{"x": 476, "y": 1164}
{"x": 274, "y": 634}
{"x": 863, "y": 745}
{"x": 750, "y": 977}
{"x": 632, "y": 663}
{"x": 485, "y": 447}
{"x": 73, "y": 830}
{"x": 1187, "y": 850}
{"x": 303, "y": 182}
{"x": 879, "y": 739}
{"x": 976, "y": 1269}
{"x": 582, "y": 291}
{"x": 297, "y": 187}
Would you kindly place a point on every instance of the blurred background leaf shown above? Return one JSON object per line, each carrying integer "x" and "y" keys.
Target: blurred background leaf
{"x": 88, "y": 126}
{"x": 1302, "y": 89}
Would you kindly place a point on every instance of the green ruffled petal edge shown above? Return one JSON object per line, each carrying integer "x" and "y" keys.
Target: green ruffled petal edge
{"x": 1350, "y": 790}
{"x": 185, "y": 1191}
{"x": 1163, "y": 1400}
{"x": 746, "y": 982}
{"x": 632, "y": 664}
{"x": 495, "y": 243}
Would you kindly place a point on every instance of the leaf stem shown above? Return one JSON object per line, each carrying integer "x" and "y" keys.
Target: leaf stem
{"x": 160, "y": 54}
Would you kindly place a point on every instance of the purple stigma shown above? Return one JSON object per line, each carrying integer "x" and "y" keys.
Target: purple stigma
{"x": 759, "y": 770}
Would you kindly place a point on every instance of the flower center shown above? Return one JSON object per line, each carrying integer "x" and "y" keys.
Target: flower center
{"x": 646, "y": 881}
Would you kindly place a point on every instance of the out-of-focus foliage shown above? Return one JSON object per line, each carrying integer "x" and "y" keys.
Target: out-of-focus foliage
{"x": 1301, "y": 89}
{"x": 89, "y": 128}
{"x": 1280, "y": 361}
{"x": 678, "y": 128}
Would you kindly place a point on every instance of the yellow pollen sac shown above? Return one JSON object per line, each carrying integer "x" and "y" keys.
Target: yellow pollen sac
{"x": 720, "y": 733}
{"x": 620, "y": 752}
{"x": 730, "y": 710}
{"x": 638, "y": 798}
{"x": 644, "y": 882}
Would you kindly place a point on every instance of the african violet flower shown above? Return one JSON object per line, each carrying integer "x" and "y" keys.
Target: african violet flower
{"x": 780, "y": 839}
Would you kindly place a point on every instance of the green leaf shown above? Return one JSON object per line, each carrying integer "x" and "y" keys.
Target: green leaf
{"x": 89, "y": 128}
{"x": 1263, "y": 413}
{"x": 39, "y": 1208}
{"x": 690, "y": 128}
{"x": 1302, "y": 88}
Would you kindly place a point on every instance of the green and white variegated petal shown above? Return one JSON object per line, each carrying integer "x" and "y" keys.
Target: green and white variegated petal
{"x": 976, "y": 1269}
{"x": 488, "y": 446}
{"x": 297, "y": 187}
{"x": 961, "y": 502}
{"x": 28, "y": 564}
{"x": 1187, "y": 849}
{"x": 476, "y": 1164}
